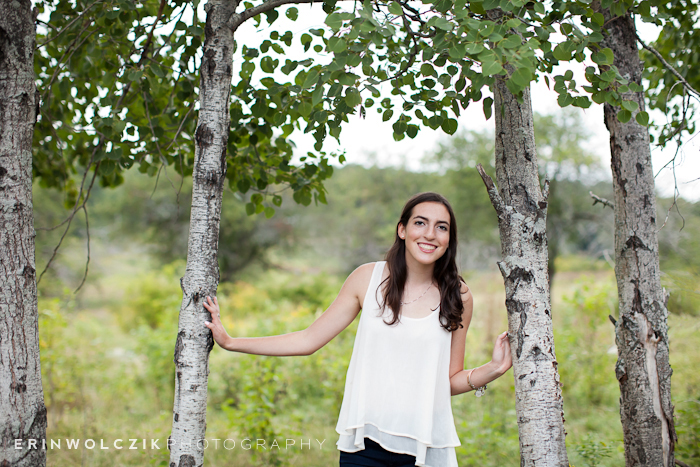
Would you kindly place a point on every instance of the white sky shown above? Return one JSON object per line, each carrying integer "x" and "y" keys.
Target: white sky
{"x": 369, "y": 141}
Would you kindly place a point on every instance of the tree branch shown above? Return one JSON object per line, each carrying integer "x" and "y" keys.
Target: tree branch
{"x": 87, "y": 261}
{"x": 496, "y": 199}
{"x": 668, "y": 66}
{"x": 69, "y": 24}
{"x": 237, "y": 19}
{"x": 603, "y": 201}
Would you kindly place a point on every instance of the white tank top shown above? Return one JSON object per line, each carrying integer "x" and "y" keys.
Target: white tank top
{"x": 397, "y": 390}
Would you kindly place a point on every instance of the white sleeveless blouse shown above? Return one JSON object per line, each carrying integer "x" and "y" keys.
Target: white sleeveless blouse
{"x": 397, "y": 390}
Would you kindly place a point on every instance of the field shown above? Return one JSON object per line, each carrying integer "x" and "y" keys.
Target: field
{"x": 108, "y": 372}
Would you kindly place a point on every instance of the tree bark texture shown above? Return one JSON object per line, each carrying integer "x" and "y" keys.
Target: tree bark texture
{"x": 522, "y": 217}
{"x": 643, "y": 369}
{"x": 194, "y": 340}
{"x": 22, "y": 409}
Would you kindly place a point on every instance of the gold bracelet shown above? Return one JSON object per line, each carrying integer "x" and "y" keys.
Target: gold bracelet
{"x": 480, "y": 390}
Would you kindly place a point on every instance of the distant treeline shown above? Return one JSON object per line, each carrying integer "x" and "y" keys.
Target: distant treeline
{"x": 358, "y": 224}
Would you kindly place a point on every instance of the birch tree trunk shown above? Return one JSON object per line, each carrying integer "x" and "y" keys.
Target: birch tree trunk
{"x": 643, "y": 369}
{"x": 194, "y": 341}
{"x": 22, "y": 409}
{"x": 522, "y": 217}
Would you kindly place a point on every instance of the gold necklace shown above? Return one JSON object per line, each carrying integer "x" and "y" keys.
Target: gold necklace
{"x": 426, "y": 291}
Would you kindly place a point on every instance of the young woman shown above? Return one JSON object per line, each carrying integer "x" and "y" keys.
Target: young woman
{"x": 408, "y": 356}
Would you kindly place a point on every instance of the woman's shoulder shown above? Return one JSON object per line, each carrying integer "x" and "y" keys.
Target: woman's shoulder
{"x": 362, "y": 274}
{"x": 359, "y": 280}
{"x": 464, "y": 290}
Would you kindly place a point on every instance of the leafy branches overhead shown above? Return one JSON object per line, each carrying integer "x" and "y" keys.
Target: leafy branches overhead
{"x": 119, "y": 83}
{"x": 672, "y": 83}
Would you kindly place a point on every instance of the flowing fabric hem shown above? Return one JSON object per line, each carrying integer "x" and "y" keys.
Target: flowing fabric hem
{"x": 426, "y": 455}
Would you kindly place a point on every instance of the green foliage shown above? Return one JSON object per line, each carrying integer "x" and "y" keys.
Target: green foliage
{"x": 119, "y": 83}
{"x": 114, "y": 381}
{"x": 593, "y": 452}
{"x": 588, "y": 343}
{"x": 256, "y": 404}
{"x": 678, "y": 43}
{"x": 572, "y": 170}
{"x": 359, "y": 223}
{"x": 688, "y": 430}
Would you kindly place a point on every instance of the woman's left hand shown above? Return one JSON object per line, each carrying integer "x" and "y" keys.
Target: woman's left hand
{"x": 501, "y": 358}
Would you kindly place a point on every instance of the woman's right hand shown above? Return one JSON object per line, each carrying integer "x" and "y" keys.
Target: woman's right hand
{"x": 217, "y": 329}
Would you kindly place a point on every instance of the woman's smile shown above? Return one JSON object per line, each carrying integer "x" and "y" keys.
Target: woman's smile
{"x": 427, "y": 232}
{"x": 427, "y": 247}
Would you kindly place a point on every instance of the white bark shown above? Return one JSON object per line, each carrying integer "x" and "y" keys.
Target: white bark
{"x": 522, "y": 218}
{"x": 22, "y": 409}
{"x": 643, "y": 369}
{"x": 194, "y": 341}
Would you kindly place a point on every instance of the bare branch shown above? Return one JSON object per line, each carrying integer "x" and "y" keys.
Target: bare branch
{"x": 70, "y": 219}
{"x": 668, "y": 66}
{"x": 237, "y": 19}
{"x": 87, "y": 262}
{"x": 545, "y": 191}
{"x": 496, "y": 200}
{"x": 597, "y": 199}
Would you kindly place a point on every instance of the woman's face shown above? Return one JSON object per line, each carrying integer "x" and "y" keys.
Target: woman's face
{"x": 427, "y": 233}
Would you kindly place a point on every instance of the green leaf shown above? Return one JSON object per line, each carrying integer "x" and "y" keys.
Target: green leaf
{"x": 630, "y": 105}
{"x": 449, "y": 126}
{"x": 427, "y": 69}
{"x": 598, "y": 18}
{"x": 560, "y": 52}
{"x": 336, "y": 45}
{"x": 305, "y": 109}
{"x": 565, "y": 100}
{"x": 510, "y": 42}
{"x": 269, "y": 211}
{"x": 624, "y": 116}
{"x": 522, "y": 77}
{"x": 352, "y": 97}
{"x": 513, "y": 23}
{"x": 491, "y": 68}
{"x": 395, "y": 9}
{"x": 475, "y": 48}
{"x": 250, "y": 209}
{"x": 158, "y": 71}
{"x": 487, "y": 107}
{"x": 311, "y": 78}
{"x": 316, "y": 96}
{"x": 642, "y": 118}
{"x": 292, "y": 13}
{"x": 609, "y": 55}
{"x": 386, "y": 116}
{"x": 334, "y": 21}
{"x": 268, "y": 65}
{"x": 442, "y": 23}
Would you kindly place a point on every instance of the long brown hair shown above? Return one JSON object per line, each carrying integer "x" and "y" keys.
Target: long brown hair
{"x": 445, "y": 272}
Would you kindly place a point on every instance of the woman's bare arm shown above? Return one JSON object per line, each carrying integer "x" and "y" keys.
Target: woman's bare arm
{"x": 500, "y": 360}
{"x": 337, "y": 317}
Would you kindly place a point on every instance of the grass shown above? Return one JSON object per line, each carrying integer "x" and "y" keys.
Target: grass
{"x": 108, "y": 371}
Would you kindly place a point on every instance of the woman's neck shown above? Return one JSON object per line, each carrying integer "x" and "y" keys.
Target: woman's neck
{"x": 417, "y": 273}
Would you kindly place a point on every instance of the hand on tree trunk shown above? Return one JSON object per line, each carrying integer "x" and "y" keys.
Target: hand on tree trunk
{"x": 215, "y": 326}
{"x": 501, "y": 358}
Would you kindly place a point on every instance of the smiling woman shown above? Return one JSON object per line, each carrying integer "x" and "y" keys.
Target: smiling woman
{"x": 408, "y": 356}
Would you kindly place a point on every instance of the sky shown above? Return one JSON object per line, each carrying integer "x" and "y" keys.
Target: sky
{"x": 369, "y": 141}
